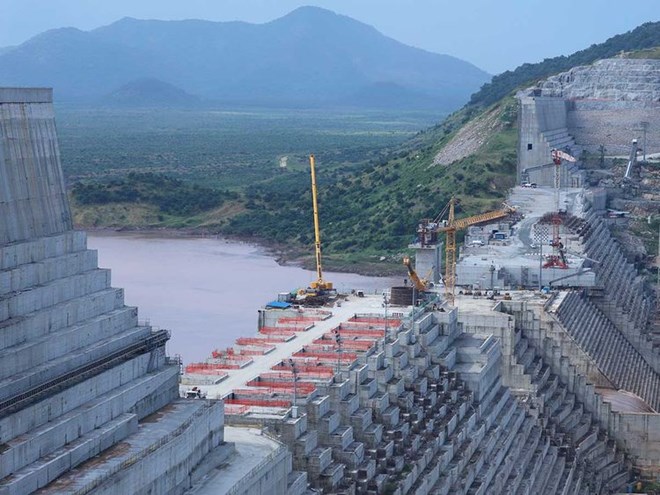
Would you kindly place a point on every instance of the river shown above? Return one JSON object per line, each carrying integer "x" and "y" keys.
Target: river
{"x": 206, "y": 291}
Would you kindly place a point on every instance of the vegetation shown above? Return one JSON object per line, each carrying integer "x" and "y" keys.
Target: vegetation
{"x": 377, "y": 210}
{"x": 376, "y": 177}
{"x": 643, "y": 37}
{"x": 170, "y": 196}
{"x": 652, "y": 53}
{"x": 225, "y": 149}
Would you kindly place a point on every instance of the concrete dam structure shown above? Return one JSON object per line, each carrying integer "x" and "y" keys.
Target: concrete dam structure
{"x": 530, "y": 394}
{"x": 606, "y": 104}
{"x": 88, "y": 398}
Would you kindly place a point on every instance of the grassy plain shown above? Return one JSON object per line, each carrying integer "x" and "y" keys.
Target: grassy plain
{"x": 237, "y": 153}
{"x": 225, "y": 149}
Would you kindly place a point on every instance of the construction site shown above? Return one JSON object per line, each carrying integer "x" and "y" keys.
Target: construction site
{"x": 524, "y": 360}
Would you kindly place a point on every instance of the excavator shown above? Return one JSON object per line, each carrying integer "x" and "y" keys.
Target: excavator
{"x": 320, "y": 290}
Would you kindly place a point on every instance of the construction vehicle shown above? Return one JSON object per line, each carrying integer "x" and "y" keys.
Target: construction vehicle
{"x": 558, "y": 257}
{"x": 319, "y": 290}
{"x": 419, "y": 284}
{"x": 195, "y": 393}
{"x": 450, "y": 226}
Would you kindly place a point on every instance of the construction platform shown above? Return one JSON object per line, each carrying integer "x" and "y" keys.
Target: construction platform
{"x": 294, "y": 334}
{"x": 517, "y": 259}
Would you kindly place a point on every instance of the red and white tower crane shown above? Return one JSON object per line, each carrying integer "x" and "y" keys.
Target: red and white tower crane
{"x": 558, "y": 258}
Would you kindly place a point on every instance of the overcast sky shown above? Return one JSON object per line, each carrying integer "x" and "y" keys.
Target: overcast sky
{"x": 494, "y": 35}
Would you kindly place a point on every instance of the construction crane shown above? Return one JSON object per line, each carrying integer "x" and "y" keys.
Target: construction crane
{"x": 419, "y": 284}
{"x": 318, "y": 291}
{"x": 319, "y": 284}
{"x": 558, "y": 257}
{"x": 450, "y": 226}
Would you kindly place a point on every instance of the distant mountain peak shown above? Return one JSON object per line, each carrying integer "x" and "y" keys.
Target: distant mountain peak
{"x": 312, "y": 10}
{"x": 311, "y": 56}
{"x": 318, "y": 17}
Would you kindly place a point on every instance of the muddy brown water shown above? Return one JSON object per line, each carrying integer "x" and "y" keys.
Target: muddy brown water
{"x": 205, "y": 291}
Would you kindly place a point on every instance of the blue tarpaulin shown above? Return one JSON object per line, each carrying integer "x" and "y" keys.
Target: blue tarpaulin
{"x": 278, "y": 305}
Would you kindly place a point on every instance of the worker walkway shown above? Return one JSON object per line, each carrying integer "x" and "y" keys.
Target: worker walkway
{"x": 263, "y": 363}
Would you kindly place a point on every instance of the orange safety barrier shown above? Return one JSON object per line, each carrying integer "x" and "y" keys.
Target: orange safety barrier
{"x": 206, "y": 367}
{"x": 273, "y": 381}
{"x": 249, "y": 392}
{"x": 300, "y": 384}
{"x": 254, "y": 352}
{"x": 236, "y": 410}
{"x": 356, "y": 345}
{"x": 259, "y": 403}
{"x": 223, "y": 353}
{"x": 256, "y": 341}
{"x": 301, "y": 319}
{"x": 302, "y": 376}
{"x": 287, "y": 328}
{"x": 304, "y": 368}
{"x": 277, "y": 331}
{"x": 359, "y": 332}
{"x": 362, "y": 319}
{"x": 229, "y": 356}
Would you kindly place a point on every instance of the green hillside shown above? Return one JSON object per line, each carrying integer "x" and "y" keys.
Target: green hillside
{"x": 370, "y": 208}
{"x": 374, "y": 212}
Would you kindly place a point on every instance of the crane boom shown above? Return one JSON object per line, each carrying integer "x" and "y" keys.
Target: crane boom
{"x": 419, "y": 284}
{"x": 319, "y": 283}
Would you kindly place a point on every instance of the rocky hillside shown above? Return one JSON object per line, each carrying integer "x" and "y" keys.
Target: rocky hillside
{"x": 619, "y": 79}
{"x": 646, "y": 36}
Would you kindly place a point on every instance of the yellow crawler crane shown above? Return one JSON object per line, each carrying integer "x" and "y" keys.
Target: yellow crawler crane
{"x": 319, "y": 284}
{"x": 450, "y": 227}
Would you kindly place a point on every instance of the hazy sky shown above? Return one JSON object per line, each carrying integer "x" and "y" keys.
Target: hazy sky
{"x": 494, "y": 35}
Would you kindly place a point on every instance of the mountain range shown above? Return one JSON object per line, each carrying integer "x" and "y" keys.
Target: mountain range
{"x": 311, "y": 56}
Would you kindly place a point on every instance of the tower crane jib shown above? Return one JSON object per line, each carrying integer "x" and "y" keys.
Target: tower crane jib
{"x": 451, "y": 226}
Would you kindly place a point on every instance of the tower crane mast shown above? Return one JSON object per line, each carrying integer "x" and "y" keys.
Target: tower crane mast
{"x": 450, "y": 227}
{"x": 558, "y": 258}
{"x": 632, "y": 161}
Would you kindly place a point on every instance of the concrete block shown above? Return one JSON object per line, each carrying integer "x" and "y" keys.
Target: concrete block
{"x": 39, "y": 323}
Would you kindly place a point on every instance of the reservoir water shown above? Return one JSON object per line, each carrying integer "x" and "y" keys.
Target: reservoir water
{"x": 206, "y": 291}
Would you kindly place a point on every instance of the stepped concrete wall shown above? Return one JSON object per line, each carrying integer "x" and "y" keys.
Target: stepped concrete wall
{"x": 538, "y": 117}
{"x": 33, "y": 200}
{"x": 637, "y": 433}
{"x": 88, "y": 398}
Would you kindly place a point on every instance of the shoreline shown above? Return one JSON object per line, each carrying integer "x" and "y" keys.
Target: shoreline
{"x": 281, "y": 255}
